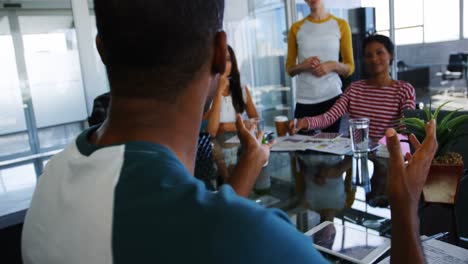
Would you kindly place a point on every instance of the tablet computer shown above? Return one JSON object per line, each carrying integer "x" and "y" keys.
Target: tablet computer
{"x": 348, "y": 243}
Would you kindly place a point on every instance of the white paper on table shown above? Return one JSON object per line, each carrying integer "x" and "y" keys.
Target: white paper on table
{"x": 234, "y": 140}
{"x": 291, "y": 143}
{"x": 338, "y": 146}
{"x": 438, "y": 252}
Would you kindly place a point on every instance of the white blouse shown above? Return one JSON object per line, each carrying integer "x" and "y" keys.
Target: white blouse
{"x": 228, "y": 112}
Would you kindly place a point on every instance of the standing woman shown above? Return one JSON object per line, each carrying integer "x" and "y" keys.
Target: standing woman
{"x": 314, "y": 47}
{"x": 231, "y": 99}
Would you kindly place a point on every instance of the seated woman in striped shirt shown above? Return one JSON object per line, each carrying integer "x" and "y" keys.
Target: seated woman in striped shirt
{"x": 379, "y": 98}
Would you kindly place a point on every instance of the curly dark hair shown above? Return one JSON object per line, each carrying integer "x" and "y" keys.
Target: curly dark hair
{"x": 384, "y": 40}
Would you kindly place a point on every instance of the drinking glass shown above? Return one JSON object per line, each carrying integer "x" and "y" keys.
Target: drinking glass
{"x": 359, "y": 133}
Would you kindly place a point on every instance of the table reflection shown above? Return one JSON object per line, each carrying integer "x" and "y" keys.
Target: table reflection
{"x": 311, "y": 180}
{"x": 303, "y": 181}
{"x": 325, "y": 190}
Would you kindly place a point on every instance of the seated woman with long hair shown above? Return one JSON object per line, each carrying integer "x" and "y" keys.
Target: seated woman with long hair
{"x": 231, "y": 99}
{"x": 379, "y": 97}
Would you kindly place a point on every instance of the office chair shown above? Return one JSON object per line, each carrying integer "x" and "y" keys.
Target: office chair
{"x": 402, "y": 66}
{"x": 456, "y": 69}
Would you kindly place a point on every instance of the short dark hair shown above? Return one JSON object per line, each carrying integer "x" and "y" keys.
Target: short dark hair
{"x": 163, "y": 41}
{"x": 384, "y": 40}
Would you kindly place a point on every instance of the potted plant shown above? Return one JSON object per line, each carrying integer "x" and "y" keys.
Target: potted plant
{"x": 447, "y": 167}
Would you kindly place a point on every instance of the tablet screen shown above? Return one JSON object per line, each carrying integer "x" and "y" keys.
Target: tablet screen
{"x": 347, "y": 241}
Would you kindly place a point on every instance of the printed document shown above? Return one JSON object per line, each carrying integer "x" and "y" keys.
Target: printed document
{"x": 338, "y": 145}
{"x": 438, "y": 252}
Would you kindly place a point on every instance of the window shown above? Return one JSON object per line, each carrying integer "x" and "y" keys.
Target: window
{"x": 17, "y": 178}
{"x": 101, "y": 69}
{"x": 13, "y": 144}
{"x": 385, "y": 33}
{"x": 42, "y": 97}
{"x": 16, "y": 188}
{"x": 13, "y": 136}
{"x": 53, "y": 68}
{"x": 465, "y": 18}
{"x": 382, "y": 13}
{"x": 257, "y": 32}
{"x": 42, "y": 103}
{"x": 58, "y": 136}
{"x": 413, "y": 35}
{"x": 409, "y": 22}
{"x": 420, "y": 21}
{"x": 441, "y": 20}
{"x": 408, "y": 13}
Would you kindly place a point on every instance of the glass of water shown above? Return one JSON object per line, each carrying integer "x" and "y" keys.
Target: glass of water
{"x": 359, "y": 133}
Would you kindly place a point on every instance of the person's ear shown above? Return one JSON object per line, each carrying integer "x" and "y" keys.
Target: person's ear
{"x": 101, "y": 50}
{"x": 219, "y": 56}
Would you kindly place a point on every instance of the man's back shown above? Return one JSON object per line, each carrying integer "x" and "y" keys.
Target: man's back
{"x": 137, "y": 203}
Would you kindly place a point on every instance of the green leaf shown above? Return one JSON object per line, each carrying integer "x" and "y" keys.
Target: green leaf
{"x": 448, "y": 117}
{"x": 416, "y": 130}
{"x": 449, "y": 134}
{"x": 428, "y": 113}
{"x": 436, "y": 113}
{"x": 415, "y": 122}
{"x": 446, "y": 130}
{"x": 457, "y": 121}
{"x": 445, "y": 145}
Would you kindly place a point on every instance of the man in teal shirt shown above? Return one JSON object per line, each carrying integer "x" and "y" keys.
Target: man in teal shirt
{"x": 125, "y": 192}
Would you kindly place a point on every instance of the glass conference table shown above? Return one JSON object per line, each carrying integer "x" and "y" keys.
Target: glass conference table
{"x": 312, "y": 187}
{"x": 315, "y": 186}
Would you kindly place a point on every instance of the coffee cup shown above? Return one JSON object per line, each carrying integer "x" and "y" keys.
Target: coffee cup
{"x": 281, "y": 123}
